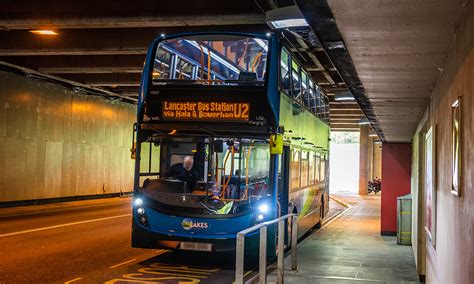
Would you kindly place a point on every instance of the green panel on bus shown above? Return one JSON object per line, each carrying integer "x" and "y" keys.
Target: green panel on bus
{"x": 306, "y": 129}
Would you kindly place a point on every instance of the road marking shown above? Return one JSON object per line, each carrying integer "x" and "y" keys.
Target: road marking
{"x": 159, "y": 252}
{"x": 342, "y": 202}
{"x": 125, "y": 262}
{"x": 63, "y": 225}
{"x": 335, "y": 217}
{"x": 73, "y": 280}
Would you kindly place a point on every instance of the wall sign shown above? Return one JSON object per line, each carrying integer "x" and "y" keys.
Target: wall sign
{"x": 456, "y": 131}
{"x": 430, "y": 184}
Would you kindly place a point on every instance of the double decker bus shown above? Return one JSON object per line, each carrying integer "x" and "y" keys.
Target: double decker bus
{"x": 254, "y": 124}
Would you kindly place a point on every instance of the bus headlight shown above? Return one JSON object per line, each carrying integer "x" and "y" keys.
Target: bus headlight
{"x": 263, "y": 208}
{"x": 260, "y": 217}
{"x": 138, "y": 202}
{"x": 141, "y": 210}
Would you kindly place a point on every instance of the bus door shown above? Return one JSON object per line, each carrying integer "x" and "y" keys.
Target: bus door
{"x": 284, "y": 180}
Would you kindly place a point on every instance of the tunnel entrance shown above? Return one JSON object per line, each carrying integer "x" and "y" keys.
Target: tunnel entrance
{"x": 344, "y": 163}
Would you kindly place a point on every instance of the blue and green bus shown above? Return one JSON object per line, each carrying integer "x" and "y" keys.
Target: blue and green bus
{"x": 255, "y": 124}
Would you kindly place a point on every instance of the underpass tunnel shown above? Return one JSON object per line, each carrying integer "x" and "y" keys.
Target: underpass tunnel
{"x": 137, "y": 140}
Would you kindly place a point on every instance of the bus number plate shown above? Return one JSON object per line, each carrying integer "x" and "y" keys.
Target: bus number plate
{"x": 195, "y": 246}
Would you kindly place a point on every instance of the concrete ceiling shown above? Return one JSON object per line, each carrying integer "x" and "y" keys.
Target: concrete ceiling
{"x": 102, "y": 44}
{"x": 398, "y": 49}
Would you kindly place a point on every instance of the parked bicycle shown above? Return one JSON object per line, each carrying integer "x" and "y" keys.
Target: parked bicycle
{"x": 375, "y": 185}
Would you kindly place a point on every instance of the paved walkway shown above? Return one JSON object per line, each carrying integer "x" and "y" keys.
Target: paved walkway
{"x": 351, "y": 250}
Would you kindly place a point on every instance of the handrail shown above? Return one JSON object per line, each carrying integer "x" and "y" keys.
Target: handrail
{"x": 247, "y": 158}
{"x": 262, "y": 266}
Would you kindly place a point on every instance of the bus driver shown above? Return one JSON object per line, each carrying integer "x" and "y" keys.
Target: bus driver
{"x": 184, "y": 172}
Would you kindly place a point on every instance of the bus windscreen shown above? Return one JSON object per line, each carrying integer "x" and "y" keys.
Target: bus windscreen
{"x": 211, "y": 59}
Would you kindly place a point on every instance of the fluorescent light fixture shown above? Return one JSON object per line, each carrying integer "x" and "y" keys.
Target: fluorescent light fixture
{"x": 285, "y": 17}
{"x": 373, "y": 135}
{"x": 44, "y": 32}
{"x": 288, "y": 23}
{"x": 343, "y": 96}
{"x": 364, "y": 121}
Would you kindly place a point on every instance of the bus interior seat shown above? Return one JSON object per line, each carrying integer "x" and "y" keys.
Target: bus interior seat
{"x": 247, "y": 76}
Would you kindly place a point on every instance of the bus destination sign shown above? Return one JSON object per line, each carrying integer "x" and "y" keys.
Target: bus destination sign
{"x": 205, "y": 111}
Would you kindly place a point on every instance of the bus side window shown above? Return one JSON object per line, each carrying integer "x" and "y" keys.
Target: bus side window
{"x": 296, "y": 81}
{"x": 305, "y": 89}
{"x": 322, "y": 171}
{"x": 295, "y": 169}
{"x": 311, "y": 97}
{"x": 317, "y": 168}
{"x": 304, "y": 168}
{"x": 284, "y": 71}
{"x": 311, "y": 169}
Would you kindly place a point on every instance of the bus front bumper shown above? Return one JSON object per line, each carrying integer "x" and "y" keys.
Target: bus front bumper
{"x": 142, "y": 238}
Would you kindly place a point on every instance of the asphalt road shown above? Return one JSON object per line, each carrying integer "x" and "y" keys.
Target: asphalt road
{"x": 89, "y": 242}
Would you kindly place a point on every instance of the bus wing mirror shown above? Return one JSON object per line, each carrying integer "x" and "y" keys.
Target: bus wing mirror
{"x": 276, "y": 144}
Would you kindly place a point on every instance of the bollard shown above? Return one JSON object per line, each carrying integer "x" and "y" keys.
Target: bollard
{"x": 294, "y": 241}
{"x": 262, "y": 272}
{"x": 239, "y": 259}
{"x": 281, "y": 254}
{"x": 262, "y": 265}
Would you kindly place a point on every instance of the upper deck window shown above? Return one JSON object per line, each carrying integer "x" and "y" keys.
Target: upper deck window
{"x": 296, "y": 80}
{"x": 285, "y": 71}
{"x": 211, "y": 59}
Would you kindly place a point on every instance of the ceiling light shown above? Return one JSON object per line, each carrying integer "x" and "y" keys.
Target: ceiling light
{"x": 343, "y": 96}
{"x": 285, "y": 17}
{"x": 44, "y": 32}
{"x": 364, "y": 121}
{"x": 288, "y": 23}
{"x": 373, "y": 135}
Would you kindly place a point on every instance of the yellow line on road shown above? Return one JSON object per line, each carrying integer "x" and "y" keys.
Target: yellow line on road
{"x": 73, "y": 280}
{"x": 342, "y": 202}
{"x": 125, "y": 262}
{"x": 246, "y": 273}
{"x": 62, "y": 225}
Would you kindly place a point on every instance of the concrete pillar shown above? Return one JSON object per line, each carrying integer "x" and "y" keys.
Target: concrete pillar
{"x": 363, "y": 159}
{"x": 370, "y": 151}
{"x": 377, "y": 160}
{"x": 396, "y": 172}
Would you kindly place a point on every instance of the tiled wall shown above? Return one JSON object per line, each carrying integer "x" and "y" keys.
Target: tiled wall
{"x": 58, "y": 143}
